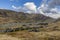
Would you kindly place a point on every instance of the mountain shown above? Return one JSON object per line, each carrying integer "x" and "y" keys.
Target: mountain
{"x": 13, "y": 16}
{"x": 20, "y": 31}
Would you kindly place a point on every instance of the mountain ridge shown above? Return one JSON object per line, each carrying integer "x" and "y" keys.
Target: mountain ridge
{"x": 9, "y": 15}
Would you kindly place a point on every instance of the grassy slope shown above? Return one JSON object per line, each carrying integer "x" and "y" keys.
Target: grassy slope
{"x": 6, "y": 37}
{"x": 8, "y": 16}
{"x": 53, "y": 35}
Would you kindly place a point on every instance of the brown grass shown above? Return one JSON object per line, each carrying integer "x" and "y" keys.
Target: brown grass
{"x": 53, "y": 35}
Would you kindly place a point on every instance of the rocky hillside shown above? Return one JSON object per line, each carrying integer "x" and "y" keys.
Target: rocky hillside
{"x": 17, "y": 25}
{"x": 12, "y": 16}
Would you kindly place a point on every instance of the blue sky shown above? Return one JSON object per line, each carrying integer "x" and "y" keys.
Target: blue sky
{"x": 8, "y": 3}
{"x": 52, "y": 8}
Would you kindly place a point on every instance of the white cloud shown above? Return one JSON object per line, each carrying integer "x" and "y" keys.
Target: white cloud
{"x": 17, "y": 8}
{"x": 56, "y": 16}
{"x": 30, "y": 6}
{"x": 14, "y": 7}
{"x": 43, "y": 9}
{"x": 54, "y": 11}
{"x": 21, "y": 9}
{"x": 54, "y": 3}
{"x": 49, "y": 9}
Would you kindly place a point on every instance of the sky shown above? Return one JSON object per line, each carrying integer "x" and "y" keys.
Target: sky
{"x": 49, "y": 8}
{"x": 7, "y": 4}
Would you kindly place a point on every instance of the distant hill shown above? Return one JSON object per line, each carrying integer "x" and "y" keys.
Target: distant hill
{"x": 13, "y": 16}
